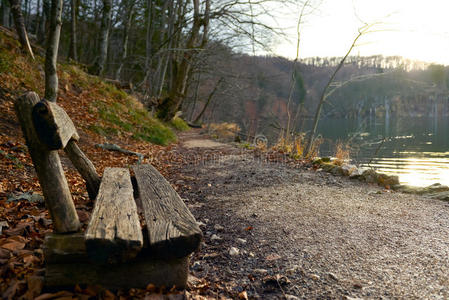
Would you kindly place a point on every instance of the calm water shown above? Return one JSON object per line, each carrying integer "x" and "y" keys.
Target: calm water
{"x": 415, "y": 148}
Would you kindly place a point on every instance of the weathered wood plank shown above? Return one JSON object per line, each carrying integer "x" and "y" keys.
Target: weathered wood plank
{"x": 137, "y": 273}
{"x": 85, "y": 167}
{"x": 53, "y": 126}
{"x": 114, "y": 233}
{"x": 172, "y": 229}
{"x": 49, "y": 170}
{"x": 65, "y": 248}
{"x": 67, "y": 264}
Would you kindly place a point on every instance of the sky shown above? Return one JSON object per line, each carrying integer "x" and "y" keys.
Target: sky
{"x": 409, "y": 28}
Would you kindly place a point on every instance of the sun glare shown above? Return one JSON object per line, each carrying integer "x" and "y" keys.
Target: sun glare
{"x": 411, "y": 29}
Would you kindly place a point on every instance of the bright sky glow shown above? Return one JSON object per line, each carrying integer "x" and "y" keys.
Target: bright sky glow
{"x": 409, "y": 28}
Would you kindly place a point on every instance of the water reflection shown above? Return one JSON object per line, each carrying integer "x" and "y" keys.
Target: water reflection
{"x": 416, "y": 171}
{"x": 414, "y": 148}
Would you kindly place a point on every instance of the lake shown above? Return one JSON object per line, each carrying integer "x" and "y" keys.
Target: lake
{"x": 414, "y": 148}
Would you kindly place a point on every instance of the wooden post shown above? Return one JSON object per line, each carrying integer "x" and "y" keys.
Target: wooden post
{"x": 85, "y": 167}
{"x": 55, "y": 129}
{"x": 49, "y": 170}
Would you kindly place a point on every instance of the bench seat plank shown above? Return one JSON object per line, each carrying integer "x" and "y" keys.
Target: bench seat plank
{"x": 172, "y": 229}
{"x": 114, "y": 233}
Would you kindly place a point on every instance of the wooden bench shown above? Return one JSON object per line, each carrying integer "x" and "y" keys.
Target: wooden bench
{"x": 114, "y": 251}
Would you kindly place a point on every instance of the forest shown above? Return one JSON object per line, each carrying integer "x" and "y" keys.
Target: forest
{"x": 196, "y": 58}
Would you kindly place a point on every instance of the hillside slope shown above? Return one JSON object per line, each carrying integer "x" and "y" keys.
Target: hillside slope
{"x": 101, "y": 113}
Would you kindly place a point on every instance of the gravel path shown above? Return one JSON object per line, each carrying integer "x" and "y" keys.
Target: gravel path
{"x": 309, "y": 234}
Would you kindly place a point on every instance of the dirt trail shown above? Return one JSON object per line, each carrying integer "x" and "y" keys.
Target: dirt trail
{"x": 309, "y": 234}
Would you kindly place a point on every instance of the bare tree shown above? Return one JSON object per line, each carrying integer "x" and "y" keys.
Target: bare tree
{"x": 130, "y": 4}
{"x": 324, "y": 94}
{"x": 20, "y": 26}
{"x": 103, "y": 41}
{"x": 73, "y": 31}
{"x": 5, "y": 13}
{"x": 43, "y": 21}
{"x": 209, "y": 98}
{"x": 171, "y": 104}
{"x": 51, "y": 56}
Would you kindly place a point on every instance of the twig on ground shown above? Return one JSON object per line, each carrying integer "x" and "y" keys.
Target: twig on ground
{"x": 114, "y": 147}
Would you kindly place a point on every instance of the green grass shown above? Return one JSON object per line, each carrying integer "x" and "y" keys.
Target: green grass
{"x": 17, "y": 163}
{"x": 5, "y": 61}
{"x": 130, "y": 118}
{"x": 179, "y": 124}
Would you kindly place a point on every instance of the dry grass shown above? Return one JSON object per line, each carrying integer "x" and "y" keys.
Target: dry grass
{"x": 342, "y": 153}
{"x": 295, "y": 146}
{"x": 224, "y": 131}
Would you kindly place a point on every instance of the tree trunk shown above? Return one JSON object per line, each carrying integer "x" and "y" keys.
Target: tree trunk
{"x": 85, "y": 167}
{"x": 41, "y": 35}
{"x": 208, "y": 100}
{"x": 25, "y": 14}
{"x": 149, "y": 45}
{"x": 324, "y": 93}
{"x": 51, "y": 57}
{"x": 103, "y": 40}
{"x": 129, "y": 18}
{"x": 73, "y": 25}
{"x": 6, "y": 10}
{"x": 38, "y": 17}
{"x": 172, "y": 104}
{"x": 20, "y": 26}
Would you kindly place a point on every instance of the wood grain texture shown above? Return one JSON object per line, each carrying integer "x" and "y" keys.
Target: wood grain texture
{"x": 49, "y": 170}
{"x": 137, "y": 273}
{"x": 65, "y": 248}
{"x": 67, "y": 264}
{"x": 85, "y": 167}
{"x": 114, "y": 233}
{"x": 172, "y": 229}
{"x": 53, "y": 126}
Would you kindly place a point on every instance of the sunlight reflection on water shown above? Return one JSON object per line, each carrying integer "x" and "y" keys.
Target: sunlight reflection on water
{"x": 415, "y": 171}
{"x": 414, "y": 148}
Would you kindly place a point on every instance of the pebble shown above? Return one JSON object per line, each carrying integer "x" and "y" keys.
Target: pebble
{"x": 215, "y": 237}
{"x": 291, "y": 297}
{"x": 197, "y": 266}
{"x": 218, "y": 227}
{"x": 332, "y": 276}
{"x": 315, "y": 277}
{"x": 261, "y": 271}
{"x": 357, "y": 285}
{"x": 241, "y": 241}
{"x": 234, "y": 251}
{"x": 292, "y": 270}
{"x": 201, "y": 224}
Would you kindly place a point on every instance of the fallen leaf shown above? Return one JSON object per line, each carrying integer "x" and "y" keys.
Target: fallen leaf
{"x": 12, "y": 290}
{"x": 35, "y": 285}
{"x": 13, "y": 246}
{"x": 151, "y": 288}
{"x": 4, "y": 254}
{"x": 19, "y": 229}
{"x": 108, "y": 295}
{"x": 243, "y": 295}
{"x": 30, "y": 260}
